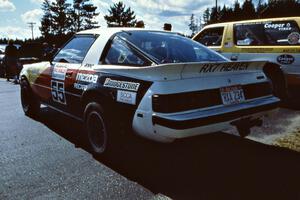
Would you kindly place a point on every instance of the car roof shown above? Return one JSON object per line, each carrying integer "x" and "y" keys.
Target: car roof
{"x": 112, "y": 30}
{"x": 253, "y": 20}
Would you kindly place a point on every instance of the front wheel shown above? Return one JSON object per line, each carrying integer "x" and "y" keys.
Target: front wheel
{"x": 98, "y": 131}
{"x": 30, "y": 104}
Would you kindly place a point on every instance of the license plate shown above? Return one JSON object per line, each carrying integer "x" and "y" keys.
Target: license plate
{"x": 232, "y": 95}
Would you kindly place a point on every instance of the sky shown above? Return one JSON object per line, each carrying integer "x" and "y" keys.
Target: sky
{"x": 16, "y": 14}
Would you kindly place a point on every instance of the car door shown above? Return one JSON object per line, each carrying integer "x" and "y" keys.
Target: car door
{"x": 66, "y": 64}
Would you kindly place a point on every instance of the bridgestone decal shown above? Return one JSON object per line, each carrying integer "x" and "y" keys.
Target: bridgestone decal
{"x": 124, "y": 85}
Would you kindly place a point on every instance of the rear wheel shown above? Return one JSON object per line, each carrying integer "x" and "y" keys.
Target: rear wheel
{"x": 99, "y": 134}
{"x": 30, "y": 104}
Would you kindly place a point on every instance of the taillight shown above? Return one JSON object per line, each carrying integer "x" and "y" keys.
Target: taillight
{"x": 169, "y": 103}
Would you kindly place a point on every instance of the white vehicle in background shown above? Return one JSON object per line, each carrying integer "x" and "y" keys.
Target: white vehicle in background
{"x": 2, "y": 53}
{"x": 161, "y": 85}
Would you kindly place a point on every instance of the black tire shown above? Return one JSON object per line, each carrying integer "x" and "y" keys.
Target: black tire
{"x": 98, "y": 129}
{"x": 30, "y": 104}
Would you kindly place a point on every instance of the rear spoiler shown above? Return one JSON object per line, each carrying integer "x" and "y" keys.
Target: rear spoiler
{"x": 173, "y": 71}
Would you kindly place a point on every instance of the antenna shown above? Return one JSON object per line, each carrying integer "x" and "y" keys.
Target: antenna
{"x": 31, "y": 25}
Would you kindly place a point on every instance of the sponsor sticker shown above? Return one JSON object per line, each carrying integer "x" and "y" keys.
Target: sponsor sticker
{"x": 87, "y": 65}
{"x": 59, "y": 72}
{"x": 58, "y": 92}
{"x": 286, "y": 59}
{"x": 126, "y": 97}
{"x": 90, "y": 78}
{"x": 124, "y": 85}
{"x": 280, "y": 27}
{"x": 79, "y": 86}
{"x": 223, "y": 67}
{"x": 294, "y": 38}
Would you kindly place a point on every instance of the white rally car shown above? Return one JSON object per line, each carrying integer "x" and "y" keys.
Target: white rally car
{"x": 160, "y": 84}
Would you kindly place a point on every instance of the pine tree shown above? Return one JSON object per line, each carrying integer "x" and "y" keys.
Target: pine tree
{"x": 206, "y": 16}
{"x": 222, "y": 14}
{"x": 237, "y": 10}
{"x": 83, "y": 14}
{"x": 200, "y": 24}
{"x": 214, "y": 15}
{"x": 248, "y": 10}
{"x": 261, "y": 8}
{"x": 46, "y": 27}
{"x": 270, "y": 9}
{"x": 120, "y": 16}
{"x": 61, "y": 17}
{"x": 282, "y": 8}
{"x": 192, "y": 25}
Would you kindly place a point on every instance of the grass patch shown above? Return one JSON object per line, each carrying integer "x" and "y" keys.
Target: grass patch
{"x": 291, "y": 141}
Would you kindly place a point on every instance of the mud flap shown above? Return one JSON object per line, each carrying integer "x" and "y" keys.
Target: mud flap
{"x": 244, "y": 125}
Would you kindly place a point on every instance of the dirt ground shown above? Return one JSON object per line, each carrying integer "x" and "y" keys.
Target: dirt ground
{"x": 282, "y": 129}
{"x": 291, "y": 141}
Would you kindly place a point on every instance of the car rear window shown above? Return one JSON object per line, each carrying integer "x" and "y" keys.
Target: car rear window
{"x": 166, "y": 47}
{"x": 281, "y": 33}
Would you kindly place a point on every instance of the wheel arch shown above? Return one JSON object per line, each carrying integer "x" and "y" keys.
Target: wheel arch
{"x": 24, "y": 77}
{"x": 276, "y": 75}
{"x": 96, "y": 95}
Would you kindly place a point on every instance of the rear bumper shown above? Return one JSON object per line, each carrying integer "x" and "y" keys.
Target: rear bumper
{"x": 293, "y": 84}
{"x": 216, "y": 115}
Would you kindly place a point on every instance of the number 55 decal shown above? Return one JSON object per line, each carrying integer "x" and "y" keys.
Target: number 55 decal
{"x": 58, "y": 92}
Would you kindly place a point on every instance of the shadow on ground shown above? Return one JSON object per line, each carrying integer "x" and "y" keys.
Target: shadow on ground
{"x": 293, "y": 104}
{"x": 216, "y": 166}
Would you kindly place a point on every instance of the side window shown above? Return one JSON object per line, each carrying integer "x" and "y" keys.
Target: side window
{"x": 282, "y": 33}
{"x": 75, "y": 50}
{"x": 120, "y": 53}
{"x": 203, "y": 55}
{"x": 211, "y": 36}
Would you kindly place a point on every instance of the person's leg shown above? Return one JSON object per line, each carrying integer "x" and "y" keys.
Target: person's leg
{"x": 15, "y": 79}
{"x": 7, "y": 73}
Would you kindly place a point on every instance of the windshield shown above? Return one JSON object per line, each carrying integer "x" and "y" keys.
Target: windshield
{"x": 169, "y": 47}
